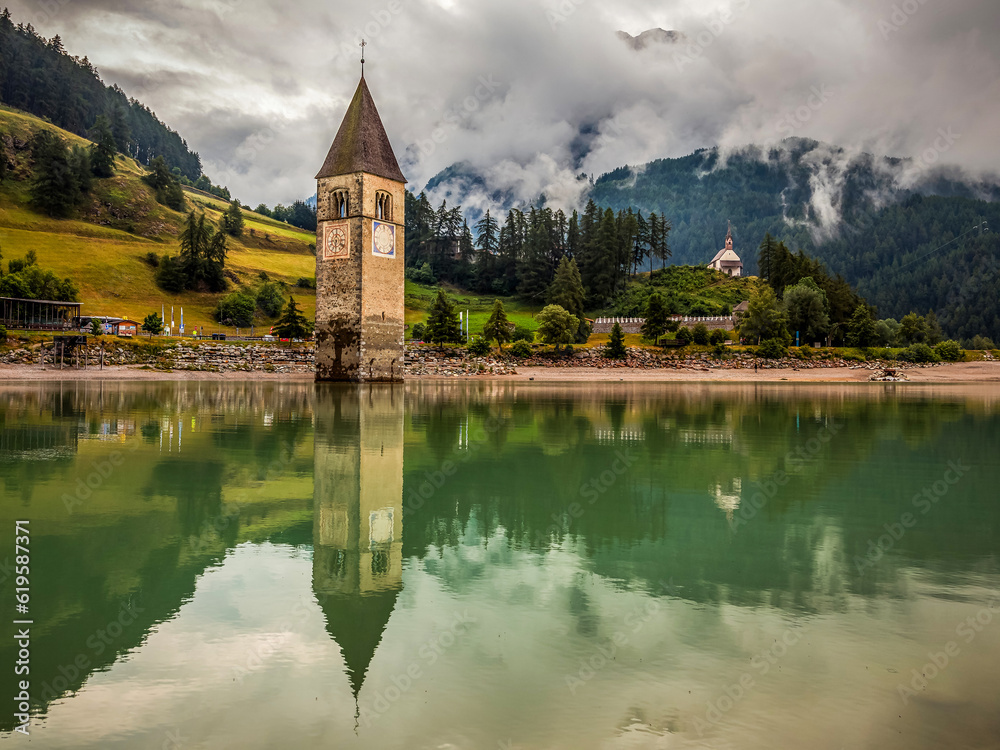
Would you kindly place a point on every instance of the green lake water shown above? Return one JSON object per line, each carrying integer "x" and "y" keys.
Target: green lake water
{"x": 498, "y": 565}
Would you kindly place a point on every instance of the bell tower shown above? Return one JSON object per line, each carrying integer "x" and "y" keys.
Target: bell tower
{"x": 360, "y": 199}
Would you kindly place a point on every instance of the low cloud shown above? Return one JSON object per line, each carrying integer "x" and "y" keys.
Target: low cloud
{"x": 569, "y": 94}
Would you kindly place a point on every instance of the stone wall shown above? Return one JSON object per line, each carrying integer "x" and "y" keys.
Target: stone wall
{"x": 206, "y": 357}
{"x": 634, "y": 325}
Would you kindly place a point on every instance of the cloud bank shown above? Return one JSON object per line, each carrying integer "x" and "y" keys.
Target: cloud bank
{"x": 532, "y": 93}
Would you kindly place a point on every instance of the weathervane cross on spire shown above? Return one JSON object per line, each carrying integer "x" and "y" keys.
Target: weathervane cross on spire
{"x": 363, "y": 45}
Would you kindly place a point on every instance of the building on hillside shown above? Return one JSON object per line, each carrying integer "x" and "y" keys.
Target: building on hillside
{"x": 726, "y": 260}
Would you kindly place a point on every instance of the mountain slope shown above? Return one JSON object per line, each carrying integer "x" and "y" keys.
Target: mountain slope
{"x": 105, "y": 245}
{"x": 38, "y": 76}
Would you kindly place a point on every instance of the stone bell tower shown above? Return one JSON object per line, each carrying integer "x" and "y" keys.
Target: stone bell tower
{"x": 360, "y": 199}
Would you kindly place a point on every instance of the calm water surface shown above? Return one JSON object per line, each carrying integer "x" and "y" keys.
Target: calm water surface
{"x": 225, "y": 565}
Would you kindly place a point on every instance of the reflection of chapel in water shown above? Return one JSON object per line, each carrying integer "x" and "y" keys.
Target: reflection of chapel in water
{"x": 358, "y": 516}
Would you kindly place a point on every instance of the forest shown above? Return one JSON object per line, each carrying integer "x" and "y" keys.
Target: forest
{"x": 40, "y": 77}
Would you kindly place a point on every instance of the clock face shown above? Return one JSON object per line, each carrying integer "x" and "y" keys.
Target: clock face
{"x": 383, "y": 240}
{"x": 335, "y": 242}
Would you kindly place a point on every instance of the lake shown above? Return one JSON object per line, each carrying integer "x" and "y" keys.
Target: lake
{"x": 498, "y": 565}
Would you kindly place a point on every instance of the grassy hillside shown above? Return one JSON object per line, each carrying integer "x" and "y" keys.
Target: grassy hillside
{"x": 104, "y": 247}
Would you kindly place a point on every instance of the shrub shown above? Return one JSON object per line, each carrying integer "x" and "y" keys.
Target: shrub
{"x": 981, "y": 342}
{"x": 853, "y": 357}
{"x": 3, "y": 334}
{"x": 886, "y": 354}
{"x": 236, "y": 309}
{"x": 270, "y": 299}
{"x": 422, "y": 275}
{"x": 418, "y": 332}
{"x": 717, "y": 337}
{"x": 772, "y": 349}
{"x": 152, "y": 259}
{"x": 700, "y": 334}
{"x": 522, "y": 333}
{"x": 520, "y": 349}
{"x": 684, "y": 335}
{"x": 949, "y": 351}
{"x": 806, "y": 351}
{"x": 305, "y": 283}
{"x": 616, "y": 345}
{"x": 478, "y": 347}
{"x": 919, "y": 353}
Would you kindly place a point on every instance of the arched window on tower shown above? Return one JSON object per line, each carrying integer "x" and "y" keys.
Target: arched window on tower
{"x": 338, "y": 204}
{"x": 383, "y": 206}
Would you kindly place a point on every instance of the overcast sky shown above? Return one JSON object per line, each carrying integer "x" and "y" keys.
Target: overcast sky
{"x": 259, "y": 89}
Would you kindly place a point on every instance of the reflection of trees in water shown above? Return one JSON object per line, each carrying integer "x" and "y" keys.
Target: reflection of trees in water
{"x": 656, "y": 521}
{"x": 196, "y": 486}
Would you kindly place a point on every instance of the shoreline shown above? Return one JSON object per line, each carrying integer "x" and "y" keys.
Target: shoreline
{"x": 963, "y": 373}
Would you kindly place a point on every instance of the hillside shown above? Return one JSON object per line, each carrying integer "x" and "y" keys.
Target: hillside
{"x": 39, "y": 76}
{"x": 906, "y": 236}
{"x": 105, "y": 245}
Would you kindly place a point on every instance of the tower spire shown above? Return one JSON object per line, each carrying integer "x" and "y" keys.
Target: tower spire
{"x": 363, "y": 45}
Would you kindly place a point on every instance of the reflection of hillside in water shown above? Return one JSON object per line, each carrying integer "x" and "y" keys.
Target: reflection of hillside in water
{"x": 126, "y": 550}
{"x": 696, "y": 458}
{"x": 245, "y": 471}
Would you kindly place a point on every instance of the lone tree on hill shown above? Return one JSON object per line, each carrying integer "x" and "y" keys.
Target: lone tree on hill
{"x": 657, "y": 318}
{"x": 153, "y": 325}
{"x": 557, "y": 325}
{"x": 232, "y": 219}
{"x": 292, "y": 324}
{"x": 497, "y": 328}
{"x": 616, "y": 346}
{"x": 443, "y": 326}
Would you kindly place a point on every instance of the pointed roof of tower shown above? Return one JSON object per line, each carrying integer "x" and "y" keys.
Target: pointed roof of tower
{"x": 729, "y": 231}
{"x": 356, "y": 622}
{"x": 361, "y": 144}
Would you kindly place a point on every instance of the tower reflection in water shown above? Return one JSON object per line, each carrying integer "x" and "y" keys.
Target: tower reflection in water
{"x": 358, "y": 516}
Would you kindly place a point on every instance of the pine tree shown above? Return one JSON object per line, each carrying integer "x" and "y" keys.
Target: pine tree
{"x": 566, "y": 289}
{"x": 497, "y": 328}
{"x": 120, "y": 129}
{"x": 488, "y": 234}
{"x": 443, "y": 326}
{"x": 616, "y": 345}
{"x": 152, "y": 325}
{"x": 765, "y": 257}
{"x": 55, "y": 189}
{"x": 655, "y": 324}
{"x": 232, "y": 220}
{"x": 202, "y": 257}
{"x": 861, "y": 329}
{"x": 292, "y": 324}
{"x": 104, "y": 150}
{"x": 599, "y": 271}
{"x": 934, "y": 332}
